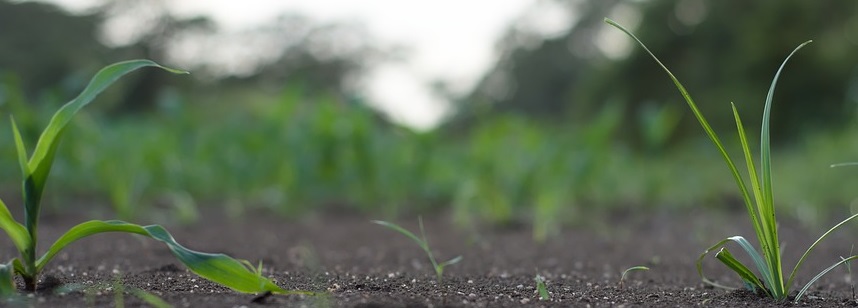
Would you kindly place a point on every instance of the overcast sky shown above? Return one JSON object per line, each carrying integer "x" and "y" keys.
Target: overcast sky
{"x": 449, "y": 40}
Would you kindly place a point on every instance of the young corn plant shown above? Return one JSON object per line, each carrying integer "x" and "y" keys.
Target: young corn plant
{"x": 424, "y": 244}
{"x": 219, "y": 268}
{"x": 769, "y": 278}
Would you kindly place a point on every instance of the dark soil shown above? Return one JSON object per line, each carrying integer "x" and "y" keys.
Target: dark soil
{"x": 359, "y": 264}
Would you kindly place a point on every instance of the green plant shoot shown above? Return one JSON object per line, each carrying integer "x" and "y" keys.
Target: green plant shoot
{"x": 540, "y": 288}
{"x": 626, "y": 272}
{"x": 770, "y": 280}
{"x": 219, "y": 268}
{"x": 424, "y": 244}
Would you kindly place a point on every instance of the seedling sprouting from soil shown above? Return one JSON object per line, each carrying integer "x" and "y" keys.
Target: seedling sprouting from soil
{"x": 540, "y": 288}
{"x": 219, "y": 268}
{"x": 770, "y": 280}
{"x": 424, "y": 244}
{"x": 626, "y": 272}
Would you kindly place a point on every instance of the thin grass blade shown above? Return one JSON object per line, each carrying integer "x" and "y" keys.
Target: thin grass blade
{"x": 21, "y": 149}
{"x": 218, "y": 268}
{"x": 768, "y": 213}
{"x": 822, "y": 273}
{"x": 403, "y": 231}
{"x": 633, "y": 268}
{"x": 752, "y": 212}
{"x": 763, "y": 206}
{"x": 844, "y": 164}
{"x": 812, "y": 246}
{"x": 451, "y": 261}
{"x": 752, "y": 173}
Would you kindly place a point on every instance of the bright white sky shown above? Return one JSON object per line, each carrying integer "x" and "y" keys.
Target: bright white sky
{"x": 449, "y": 40}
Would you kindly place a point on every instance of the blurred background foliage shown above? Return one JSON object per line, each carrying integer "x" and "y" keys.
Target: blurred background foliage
{"x": 562, "y": 128}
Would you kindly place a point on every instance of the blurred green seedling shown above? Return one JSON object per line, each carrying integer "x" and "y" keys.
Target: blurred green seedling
{"x": 540, "y": 288}
{"x": 631, "y": 269}
{"x": 424, "y": 244}
{"x": 770, "y": 280}
{"x": 219, "y": 268}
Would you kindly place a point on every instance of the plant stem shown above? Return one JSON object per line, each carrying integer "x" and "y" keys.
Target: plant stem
{"x": 29, "y": 283}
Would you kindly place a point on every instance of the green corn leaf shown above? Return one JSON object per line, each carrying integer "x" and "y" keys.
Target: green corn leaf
{"x": 19, "y": 147}
{"x": 812, "y": 246}
{"x": 40, "y": 163}
{"x": 218, "y": 268}
{"x": 7, "y": 281}
{"x": 16, "y": 231}
{"x": 822, "y": 273}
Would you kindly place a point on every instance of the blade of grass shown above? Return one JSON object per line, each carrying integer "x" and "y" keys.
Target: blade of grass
{"x": 402, "y": 230}
{"x": 822, "y": 273}
{"x": 771, "y": 250}
{"x": 752, "y": 212}
{"x": 812, "y": 246}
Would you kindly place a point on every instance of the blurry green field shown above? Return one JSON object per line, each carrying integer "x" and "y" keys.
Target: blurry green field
{"x": 294, "y": 155}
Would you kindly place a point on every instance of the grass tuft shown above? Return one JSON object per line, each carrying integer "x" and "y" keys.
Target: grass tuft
{"x": 424, "y": 244}
{"x": 769, "y": 278}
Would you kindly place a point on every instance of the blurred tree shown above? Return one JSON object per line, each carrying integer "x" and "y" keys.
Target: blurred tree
{"x": 722, "y": 50}
{"x": 45, "y": 46}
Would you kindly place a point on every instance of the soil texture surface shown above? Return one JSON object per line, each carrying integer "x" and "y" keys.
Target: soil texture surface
{"x": 354, "y": 263}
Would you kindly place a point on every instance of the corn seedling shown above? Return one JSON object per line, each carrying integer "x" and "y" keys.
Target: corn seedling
{"x": 219, "y": 268}
{"x": 540, "y": 288}
{"x": 760, "y": 207}
{"x": 424, "y": 244}
{"x": 630, "y": 269}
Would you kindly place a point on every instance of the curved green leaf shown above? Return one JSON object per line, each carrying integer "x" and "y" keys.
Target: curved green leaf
{"x": 746, "y": 197}
{"x": 19, "y": 147}
{"x": 769, "y": 222}
{"x": 403, "y": 231}
{"x": 218, "y": 268}
{"x": 40, "y": 163}
{"x": 16, "y": 231}
{"x": 812, "y": 246}
{"x": 755, "y": 256}
{"x": 822, "y": 273}
{"x": 743, "y": 271}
